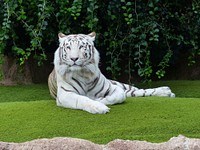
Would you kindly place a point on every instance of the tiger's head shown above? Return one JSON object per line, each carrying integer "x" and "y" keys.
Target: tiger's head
{"x": 77, "y": 51}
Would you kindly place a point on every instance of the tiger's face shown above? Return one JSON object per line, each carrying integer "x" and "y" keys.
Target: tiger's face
{"x": 77, "y": 50}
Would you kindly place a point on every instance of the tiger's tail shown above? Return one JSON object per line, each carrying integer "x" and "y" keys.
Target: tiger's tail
{"x": 52, "y": 84}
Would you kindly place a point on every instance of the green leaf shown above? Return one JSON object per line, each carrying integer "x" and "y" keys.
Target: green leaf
{"x": 151, "y": 4}
{"x": 156, "y": 9}
{"x": 78, "y": 14}
{"x": 151, "y": 39}
{"x": 156, "y": 30}
{"x": 128, "y": 3}
{"x": 151, "y": 12}
{"x": 124, "y": 7}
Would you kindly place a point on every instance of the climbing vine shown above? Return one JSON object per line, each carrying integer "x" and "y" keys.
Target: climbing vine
{"x": 138, "y": 37}
{"x": 33, "y": 28}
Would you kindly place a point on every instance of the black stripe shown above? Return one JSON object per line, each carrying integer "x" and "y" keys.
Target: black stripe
{"x": 113, "y": 91}
{"x": 66, "y": 89}
{"x": 107, "y": 92}
{"x": 153, "y": 92}
{"x": 100, "y": 89}
{"x": 94, "y": 84}
{"x": 90, "y": 55}
{"x": 74, "y": 88}
{"x": 144, "y": 94}
{"x": 128, "y": 89}
{"x": 113, "y": 82}
{"x": 78, "y": 84}
{"x": 132, "y": 93}
{"x": 123, "y": 86}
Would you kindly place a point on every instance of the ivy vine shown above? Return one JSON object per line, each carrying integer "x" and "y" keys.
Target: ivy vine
{"x": 138, "y": 37}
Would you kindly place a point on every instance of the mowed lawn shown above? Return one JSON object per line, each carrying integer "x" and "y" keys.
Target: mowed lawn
{"x": 28, "y": 112}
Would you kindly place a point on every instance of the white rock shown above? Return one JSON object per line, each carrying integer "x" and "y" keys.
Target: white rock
{"x": 175, "y": 143}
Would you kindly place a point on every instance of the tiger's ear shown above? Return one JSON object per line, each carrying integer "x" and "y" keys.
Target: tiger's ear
{"x": 92, "y": 35}
{"x": 61, "y": 35}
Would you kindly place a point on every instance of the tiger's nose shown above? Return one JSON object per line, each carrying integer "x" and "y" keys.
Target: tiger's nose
{"x": 74, "y": 59}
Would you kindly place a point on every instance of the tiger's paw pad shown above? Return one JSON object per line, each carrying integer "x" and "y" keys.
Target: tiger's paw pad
{"x": 97, "y": 108}
{"x": 164, "y": 91}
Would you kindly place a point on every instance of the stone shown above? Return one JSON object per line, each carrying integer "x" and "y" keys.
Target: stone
{"x": 52, "y": 144}
{"x": 175, "y": 143}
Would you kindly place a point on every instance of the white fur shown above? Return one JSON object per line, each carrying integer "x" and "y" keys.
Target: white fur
{"x": 77, "y": 95}
{"x": 164, "y": 91}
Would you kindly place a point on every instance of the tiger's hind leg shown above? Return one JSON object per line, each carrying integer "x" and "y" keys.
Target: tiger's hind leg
{"x": 160, "y": 91}
{"x": 132, "y": 91}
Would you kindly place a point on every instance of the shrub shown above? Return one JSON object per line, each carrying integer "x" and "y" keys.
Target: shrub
{"x": 138, "y": 36}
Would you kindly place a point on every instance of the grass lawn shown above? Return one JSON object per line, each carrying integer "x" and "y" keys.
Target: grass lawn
{"x": 28, "y": 112}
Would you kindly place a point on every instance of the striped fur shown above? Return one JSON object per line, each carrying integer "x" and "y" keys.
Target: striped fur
{"x": 76, "y": 81}
{"x": 52, "y": 84}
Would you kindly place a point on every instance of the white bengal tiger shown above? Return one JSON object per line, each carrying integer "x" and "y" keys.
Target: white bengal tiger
{"x": 76, "y": 81}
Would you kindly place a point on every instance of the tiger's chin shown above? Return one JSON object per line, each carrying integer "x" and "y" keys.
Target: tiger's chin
{"x": 75, "y": 68}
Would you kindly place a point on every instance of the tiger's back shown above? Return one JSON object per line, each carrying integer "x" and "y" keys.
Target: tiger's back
{"x": 52, "y": 84}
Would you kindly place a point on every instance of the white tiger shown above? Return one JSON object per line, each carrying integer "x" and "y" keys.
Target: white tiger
{"x": 77, "y": 82}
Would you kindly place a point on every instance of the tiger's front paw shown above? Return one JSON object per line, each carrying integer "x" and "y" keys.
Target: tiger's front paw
{"x": 164, "y": 91}
{"x": 96, "y": 108}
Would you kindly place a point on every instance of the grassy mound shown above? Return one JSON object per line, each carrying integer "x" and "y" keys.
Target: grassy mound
{"x": 28, "y": 112}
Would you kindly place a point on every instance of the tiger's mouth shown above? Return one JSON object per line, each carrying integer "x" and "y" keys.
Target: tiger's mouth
{"x": 76, "y": 65}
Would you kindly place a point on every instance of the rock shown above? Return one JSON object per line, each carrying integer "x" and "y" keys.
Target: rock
{"x": 52, "y": 144}
{"x": 175, "y": 143}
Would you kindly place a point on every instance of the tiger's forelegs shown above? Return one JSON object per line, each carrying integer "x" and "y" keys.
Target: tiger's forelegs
{"x": 75, "y": 101}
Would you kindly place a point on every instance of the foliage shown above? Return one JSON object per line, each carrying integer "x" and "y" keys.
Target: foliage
{"x": 138, "y": 36}
{"x": 16, "y": 14}
{"x": 136, "y": 119}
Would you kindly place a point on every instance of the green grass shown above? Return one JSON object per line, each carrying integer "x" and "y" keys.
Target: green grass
{"x": 18, "y": 93}
{"x": 28, "y": 112}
